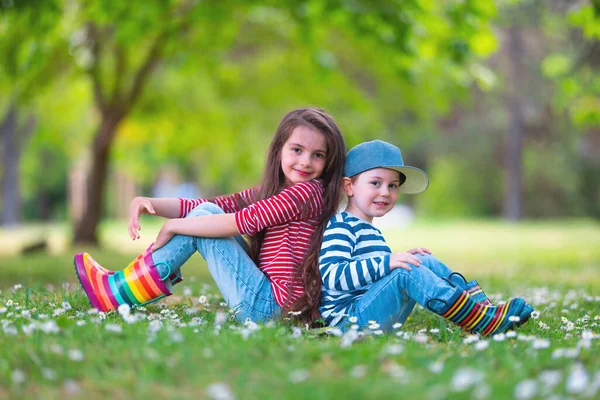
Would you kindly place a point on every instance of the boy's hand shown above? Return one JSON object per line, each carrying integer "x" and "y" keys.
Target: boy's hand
{"x": 163, "y": 237}
{"x": 138, "y": 206}
{"x": 401, "y": 260}
{"x": 419, "y": 250}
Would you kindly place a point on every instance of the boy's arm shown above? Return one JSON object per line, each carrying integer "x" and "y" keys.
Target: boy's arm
{"x": 338, "y": 270}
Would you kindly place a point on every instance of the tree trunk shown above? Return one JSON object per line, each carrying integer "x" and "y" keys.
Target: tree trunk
{"x": 86, "y": 227}
{"x": 43, "y": 197}
{"x": 10, "y": 155}
{"x": 513, "y": 187}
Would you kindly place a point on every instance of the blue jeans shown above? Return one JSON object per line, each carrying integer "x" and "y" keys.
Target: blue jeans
{"x": 392, "y": 298}
{"x": 243, "y": 286}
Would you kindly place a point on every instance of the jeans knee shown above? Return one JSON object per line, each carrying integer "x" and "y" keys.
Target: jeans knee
{"x": 427, "y": 259}
{"x": 205, "y": 209}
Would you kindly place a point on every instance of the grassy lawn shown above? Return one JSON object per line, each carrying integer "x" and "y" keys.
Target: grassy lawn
{"x": 51, "y": 346}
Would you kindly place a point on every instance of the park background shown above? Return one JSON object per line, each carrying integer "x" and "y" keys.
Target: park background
{"x": 499, "y": 101}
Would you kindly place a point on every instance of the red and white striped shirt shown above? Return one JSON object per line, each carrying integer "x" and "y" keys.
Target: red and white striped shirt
{"x": 290, "y": 219}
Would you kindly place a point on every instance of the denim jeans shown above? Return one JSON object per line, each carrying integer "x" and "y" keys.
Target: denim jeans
{"x": 392, "y": 298}
{"x": 243, "y": 286}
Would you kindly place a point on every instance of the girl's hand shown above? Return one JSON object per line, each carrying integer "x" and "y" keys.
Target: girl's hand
{"x": 163, "y": 237}
{"x": 138, "y": 206}
{"x": 401, "y": 260}
{"x": 419, "y": 250}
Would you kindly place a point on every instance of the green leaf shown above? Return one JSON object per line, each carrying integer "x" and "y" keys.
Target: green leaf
{"x": 483, "y": 43}
{"x": 556, "y": 65}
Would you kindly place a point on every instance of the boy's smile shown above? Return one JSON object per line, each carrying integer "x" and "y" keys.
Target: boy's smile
{"x": 373, "y": 193}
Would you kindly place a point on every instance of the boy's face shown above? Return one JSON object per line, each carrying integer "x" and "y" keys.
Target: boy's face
{"x": 373, "y": 193}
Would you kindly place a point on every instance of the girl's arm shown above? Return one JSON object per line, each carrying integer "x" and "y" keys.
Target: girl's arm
{"x": 302, "y": 200}
{"x": 229, "y": 203}
{"x": 168, "y": 208}
{"x": 163, "y": 207}
{"x": 179, "y": 208}
{"x": 214, "y": 225}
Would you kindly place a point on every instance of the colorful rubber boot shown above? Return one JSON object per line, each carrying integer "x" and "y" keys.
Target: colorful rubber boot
{"x": 175, "y": 277}
{"x": 472, "y": 316}
{"x": 525, "y": 315}
{"x": 473, "y": 289}
{"x": 138, "y": 284}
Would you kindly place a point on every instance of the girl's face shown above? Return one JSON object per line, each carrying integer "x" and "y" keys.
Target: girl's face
{"x": 303, "y": 155}
{"x": 373, "y": 193}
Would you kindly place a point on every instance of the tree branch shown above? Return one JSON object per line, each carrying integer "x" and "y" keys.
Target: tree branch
{"x": 26, "y": 130}
{"x": 120, "y": 67}
{"x": 142, "y": 74}
{"x": 94, "y": 36}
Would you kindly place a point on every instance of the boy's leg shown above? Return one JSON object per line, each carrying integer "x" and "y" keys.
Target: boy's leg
{"x": 441, "y": 270}
{"x": 243, "y": 286}
{"x": 392, "y": 298}
{"x": 383, "y": 303}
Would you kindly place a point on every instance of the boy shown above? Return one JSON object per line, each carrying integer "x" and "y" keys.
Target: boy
{"x": 363, "y": 279}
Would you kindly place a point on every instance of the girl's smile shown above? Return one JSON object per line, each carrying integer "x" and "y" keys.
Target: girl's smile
{"x": 303, "y": 155}
{"x": 302, "y": 173}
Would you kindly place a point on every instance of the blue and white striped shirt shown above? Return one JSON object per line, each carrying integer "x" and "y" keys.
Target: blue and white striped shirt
{"x": 353, "y": 255}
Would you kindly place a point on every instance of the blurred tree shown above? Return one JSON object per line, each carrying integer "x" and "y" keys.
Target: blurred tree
{"x": 119, "y": 45}
{"x": 533, "y": 99}
{"x": 573, "y": 64}
{"x": 32, "y": 53}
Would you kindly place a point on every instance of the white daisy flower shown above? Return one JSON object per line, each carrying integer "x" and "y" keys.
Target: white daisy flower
{"x": 540, "y": 343}
{"x": 526, "y": 389}
{"x": 113, "y": 328}
{"x": 76, "y": 355}
{"x": 481, "y": 345}
{"x": 220, "y": 391}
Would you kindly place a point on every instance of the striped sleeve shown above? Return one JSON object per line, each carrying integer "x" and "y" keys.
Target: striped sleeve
{"x": 339, "y": 271}
{"x": 229, "y": 203}
{"x": 290, "y": 204}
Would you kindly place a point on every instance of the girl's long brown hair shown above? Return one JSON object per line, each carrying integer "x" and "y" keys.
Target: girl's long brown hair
{"x": 273, "y": 181}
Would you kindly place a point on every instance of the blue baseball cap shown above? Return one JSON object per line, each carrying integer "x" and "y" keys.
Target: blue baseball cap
{"x": 380, "y": 154}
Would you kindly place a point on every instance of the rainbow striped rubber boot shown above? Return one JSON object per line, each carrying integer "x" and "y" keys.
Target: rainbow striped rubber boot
{"x": 138, "y": 284}
{"x": 473, "y": 289}
{"x": 175, "y": 277}
{"x": 472, "y": 316}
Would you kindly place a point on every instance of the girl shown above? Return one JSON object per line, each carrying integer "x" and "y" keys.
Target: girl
{"x": 285, "y": 217}
{"x": 363, "y": 279}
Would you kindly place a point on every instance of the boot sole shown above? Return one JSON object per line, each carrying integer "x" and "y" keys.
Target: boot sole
{"x": 85, "y": 283}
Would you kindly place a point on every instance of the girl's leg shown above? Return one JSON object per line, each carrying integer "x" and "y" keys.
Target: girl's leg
{"x": 243, "y": 286}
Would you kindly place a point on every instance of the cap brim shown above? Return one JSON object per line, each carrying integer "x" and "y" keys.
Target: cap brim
{"x": 417, "y": 180}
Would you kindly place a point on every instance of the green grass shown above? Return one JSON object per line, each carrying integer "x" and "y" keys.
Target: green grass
{"x": 177, "y": 349}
